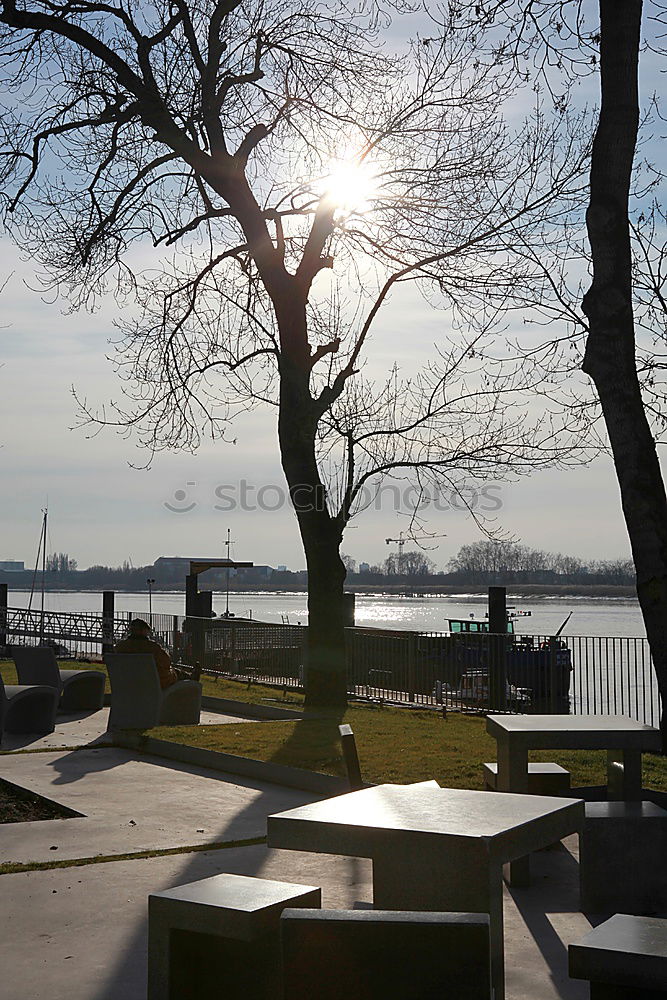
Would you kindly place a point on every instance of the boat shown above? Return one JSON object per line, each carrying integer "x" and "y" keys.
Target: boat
{"x": 537, "y": 670}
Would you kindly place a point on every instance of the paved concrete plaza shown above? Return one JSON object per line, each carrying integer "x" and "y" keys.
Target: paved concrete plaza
{"x": 84, "y": 728}
{"x": 80, "y": 933}
{"x": 131, "y": 804}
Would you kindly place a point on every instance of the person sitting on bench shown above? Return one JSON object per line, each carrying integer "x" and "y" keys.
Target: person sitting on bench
{"x": 139, "y": 641}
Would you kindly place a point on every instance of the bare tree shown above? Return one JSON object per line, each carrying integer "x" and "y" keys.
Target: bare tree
{"x": 411, "y": 563}
{"x": 60, "y": 562}
{"x": 268, "y": 143}
{"x": 349, "y": 563}
{"x": 556, "y": 40}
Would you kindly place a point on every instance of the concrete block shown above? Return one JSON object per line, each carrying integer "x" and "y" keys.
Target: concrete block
{"x": 433, "y": 849}
{"x": 625, "y": 958}
{"x": 385, "y": 955}
{"x": 220, "y": 937}
{"x": 543, "y": 778}
{"x": 622, "y": 858}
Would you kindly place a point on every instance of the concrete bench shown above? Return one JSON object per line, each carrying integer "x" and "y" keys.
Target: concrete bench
{"x": 78, "y": 690}
{"x": 385, "y": 955}
{"x": 622, "y": 858}
{"x": 625, "y": 958}
{"x": 219, "y": 937}
{"x": 543, "y": 778}
{"x": 138, "y": 701}
{"x": 27, "y": 708}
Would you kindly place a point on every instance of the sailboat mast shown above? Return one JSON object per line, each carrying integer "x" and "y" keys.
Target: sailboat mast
{"x": 41, "y": 617}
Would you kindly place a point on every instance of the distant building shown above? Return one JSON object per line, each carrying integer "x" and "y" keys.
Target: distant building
{"x": 256, "y": 572}
{"x": 11, "y": 566}
{"x": 364, "y": 567}
{"x": 282, "y": 569}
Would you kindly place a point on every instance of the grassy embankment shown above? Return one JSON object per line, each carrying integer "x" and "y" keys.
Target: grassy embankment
{"x": 395, "y": 744}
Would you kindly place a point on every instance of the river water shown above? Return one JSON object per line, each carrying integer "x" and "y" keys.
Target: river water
{"x": 590, "y": 617}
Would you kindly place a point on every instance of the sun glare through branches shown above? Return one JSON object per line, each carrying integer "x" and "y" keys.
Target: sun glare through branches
{"x": 350, "y": 187}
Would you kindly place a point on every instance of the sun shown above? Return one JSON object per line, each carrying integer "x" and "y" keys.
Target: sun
{"x": 350, "y": 187}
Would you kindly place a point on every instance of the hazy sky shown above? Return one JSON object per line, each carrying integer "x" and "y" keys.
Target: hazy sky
{"x": 104, "y": 511}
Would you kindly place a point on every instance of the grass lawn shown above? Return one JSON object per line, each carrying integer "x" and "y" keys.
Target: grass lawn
{"x": 394, "y": 744}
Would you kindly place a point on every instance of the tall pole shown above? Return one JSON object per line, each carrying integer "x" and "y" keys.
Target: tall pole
{"x": 3, "y": 614}
{"x": 228, "y": 544}
{"x": 108, "y": 613}
{"x": 41, "y": 617}
{"x": 150, "y": 581}
{"x": 497, "y": 647}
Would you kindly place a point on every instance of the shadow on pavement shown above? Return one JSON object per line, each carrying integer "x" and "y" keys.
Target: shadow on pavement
{"x": 247, "y": 861}
{"x": 554, "y": 891}
{"x": 76, "y": 764}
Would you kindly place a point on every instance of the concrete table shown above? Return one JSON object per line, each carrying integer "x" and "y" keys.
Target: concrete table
{"x": 433, "y": 849}
{"x": 624, "y": 740}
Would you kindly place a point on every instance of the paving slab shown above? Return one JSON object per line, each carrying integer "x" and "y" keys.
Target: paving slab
{"x": 81, "y": 933}
{"x": 84, "y": 728}
{"x": 130, "y": 803}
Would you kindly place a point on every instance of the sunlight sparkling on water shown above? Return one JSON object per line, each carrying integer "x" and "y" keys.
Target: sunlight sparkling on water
{"x": 601, "y": 616}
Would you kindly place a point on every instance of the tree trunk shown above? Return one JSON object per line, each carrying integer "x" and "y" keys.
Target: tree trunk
{"x": 610, "y": 350}
{"x": 321, "y": 534}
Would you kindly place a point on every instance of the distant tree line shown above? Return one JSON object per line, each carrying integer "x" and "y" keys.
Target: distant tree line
{"x": 480, "y": 563}
{"x": 491, "y": 561}
{"x": 488, "y": 561}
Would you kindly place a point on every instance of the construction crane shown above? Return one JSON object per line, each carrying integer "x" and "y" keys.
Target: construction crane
{"x": 410, "y": 538}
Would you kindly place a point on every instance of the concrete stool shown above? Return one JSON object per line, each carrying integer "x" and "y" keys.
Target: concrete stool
{"x": 622, "y": 858}
{"x": 385, "y": 955}
{"x": 219, "y": 937}
{"x": 543, "y": 778}
{"x": 625, "y": 958}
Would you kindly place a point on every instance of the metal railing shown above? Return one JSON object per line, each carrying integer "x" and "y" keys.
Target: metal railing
{"x": 577, "y": 674}
{"x": 465, "y": 671}
{"x": 73, "y": 634}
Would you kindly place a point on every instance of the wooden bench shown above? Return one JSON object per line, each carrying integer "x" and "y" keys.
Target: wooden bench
{"x": 543, "y": 778}
{"x": 625, "y": 958}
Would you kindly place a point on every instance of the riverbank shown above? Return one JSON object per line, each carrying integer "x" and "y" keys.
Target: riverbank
{"x": 514, "y": 590}
{"x": 543, "y": 613}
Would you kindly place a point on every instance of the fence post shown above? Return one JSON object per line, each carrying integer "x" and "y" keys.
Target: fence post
{"x": 412, "y": 666}
{"x": 349, "y": 608}
{"x": 108, "y": 611}
{"x": 3, "y": 614}
{"x": 497, "y": 647}
{"x": 174, "y": 638}
{"x": 553, "y": 653}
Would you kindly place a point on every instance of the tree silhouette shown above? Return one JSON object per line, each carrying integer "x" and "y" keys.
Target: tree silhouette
{"x": 291, "y": 178}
